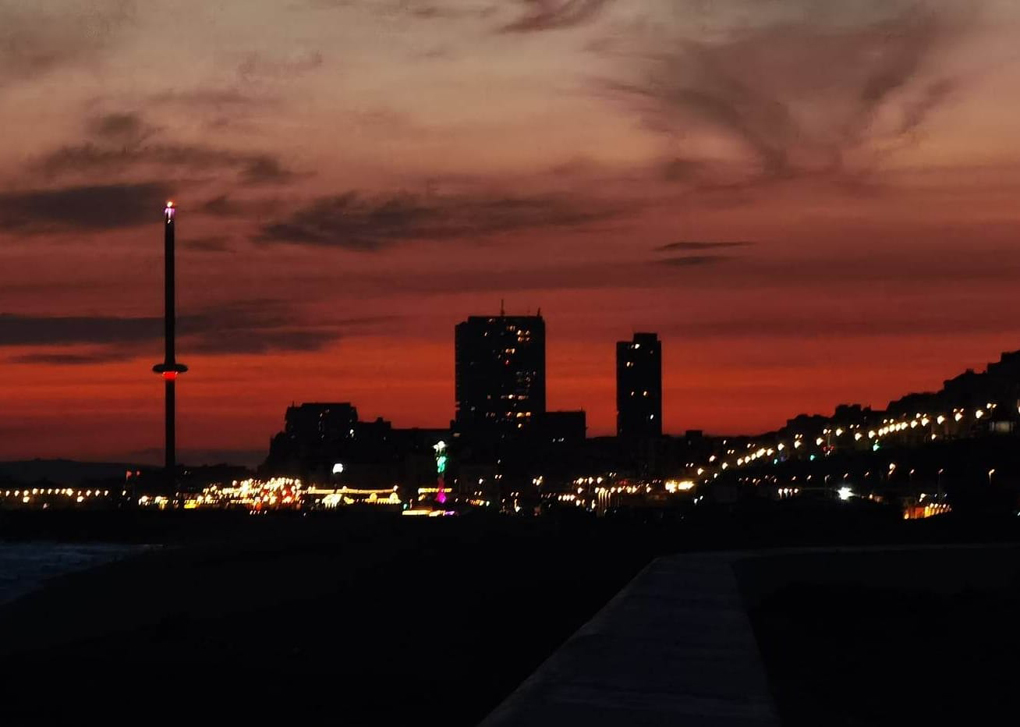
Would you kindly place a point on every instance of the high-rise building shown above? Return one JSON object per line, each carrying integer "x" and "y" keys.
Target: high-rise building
{"x": 639, "y": 387}
{"x": 500, "y": 375}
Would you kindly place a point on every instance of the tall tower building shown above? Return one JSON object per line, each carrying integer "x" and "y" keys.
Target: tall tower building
{"x": 639, "y": 387}
{"x": 170, "y": 369}
{"x": 500, "y": 375}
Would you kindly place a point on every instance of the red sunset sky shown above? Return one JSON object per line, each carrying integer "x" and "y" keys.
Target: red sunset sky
{"x": 812, "y": 202}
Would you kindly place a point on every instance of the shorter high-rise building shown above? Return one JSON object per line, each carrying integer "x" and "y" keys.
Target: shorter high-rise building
{"x": 565, "y": 428}
{"x": 639, "y": 387}
{"x": 321, "y": 423}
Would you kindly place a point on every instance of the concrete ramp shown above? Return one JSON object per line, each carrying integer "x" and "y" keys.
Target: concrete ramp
{"x": 675, "y": 647}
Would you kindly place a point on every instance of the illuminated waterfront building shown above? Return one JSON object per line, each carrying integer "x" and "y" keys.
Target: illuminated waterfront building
{"x": 327, "y": 443}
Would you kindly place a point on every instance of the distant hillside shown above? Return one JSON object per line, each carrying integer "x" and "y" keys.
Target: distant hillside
{"x": 63, "y": 471}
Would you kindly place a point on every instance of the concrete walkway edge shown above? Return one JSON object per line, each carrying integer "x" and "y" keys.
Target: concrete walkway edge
{"x": 674, "y": 647}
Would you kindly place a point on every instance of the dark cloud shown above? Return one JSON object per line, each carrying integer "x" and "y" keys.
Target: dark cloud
{"x": 120, "y": 128}
{"x": 220, "y": 206}
{"x": 356, "y": 222}
{"x": 219, "y": 108}
{"x": 554, "y": 14}
{"x": 98, "y": 158}
{"x": 65, "y": 359}
{"x": 83, "y": 208}
{"x": 209, "y": 243}
{"x": 693, "y": 260}
{"x": 264, "y": 169}
{"x": 255, "y": 340}
{"x": 699, "y": 245}
{"x": 18, "y": 330}
{"x": 240, "y": 328}
{"x": 802, "y": 96}
{"x": 224, "y": 205}
{"x": 39, "y": 37}
{"x": 267, "y": 326}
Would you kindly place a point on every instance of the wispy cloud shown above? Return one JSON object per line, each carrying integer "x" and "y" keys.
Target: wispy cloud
{"x": 693, "y": 260}
{"x": 126, "y": 128}
{"x": 554, "y": 14}
{"x": 39, "y": 37}
{"x": 840, "y": 325}
{"x": 416, "y": 9}
{"x": 121, "y": 143}
{"x": 357, "y": 222}
{"x": 67, "y": 359}
{"x": 803, "y": 95}
{"x": 702, "y": 245}
{"x": 218, "y": 99}
{"x": 252, "y": 327}
{"x": 88, "y": 207}
{"x": 208, "y": 243}
{"x": 261, "y": 65}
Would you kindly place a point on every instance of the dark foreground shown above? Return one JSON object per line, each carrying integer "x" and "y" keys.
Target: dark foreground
{"x": 891, "y": 637}
{"x": 360, "y": 620}
{"x": 351, "y": 619}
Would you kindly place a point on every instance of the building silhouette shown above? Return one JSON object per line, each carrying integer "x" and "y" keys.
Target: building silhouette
{"x": 318, "y": 436}
{"x": 321, "y": 423}
{"x": 500, "y": 376}
{"x": 639, "y": 388}
{"x": 563, "y": 429}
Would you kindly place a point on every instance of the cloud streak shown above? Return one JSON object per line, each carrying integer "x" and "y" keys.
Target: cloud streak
{"x": 258, "y": 66}
{"x": 253, "y": 327}
{"x": 37, "y": 38}
{"x": 356, "y": 222}
{"x": 544, "y": 15}
{"x": 688, "y": 261}
{"x": 82, "y": 208}
{"x": 685, "y": 245}
{"x": 800, "y": 97}
{"x": 836, "y": 326}
{"x": 121, "y": 144}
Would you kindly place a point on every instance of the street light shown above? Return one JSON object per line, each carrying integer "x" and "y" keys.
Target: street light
{"x": 990, "y": 473}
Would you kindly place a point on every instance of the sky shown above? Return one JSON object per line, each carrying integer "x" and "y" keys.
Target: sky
{"x": 812, "y": 202}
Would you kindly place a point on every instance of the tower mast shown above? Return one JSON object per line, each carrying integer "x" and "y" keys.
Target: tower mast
{"x": 170, "y": 369}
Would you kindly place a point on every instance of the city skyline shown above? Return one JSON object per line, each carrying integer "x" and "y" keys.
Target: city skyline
{"x": 344, "y": 203}
{"x": 509, "y": 363}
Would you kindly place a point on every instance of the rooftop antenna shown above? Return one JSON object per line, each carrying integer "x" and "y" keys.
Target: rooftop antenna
{"x": 502, "y": 308}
